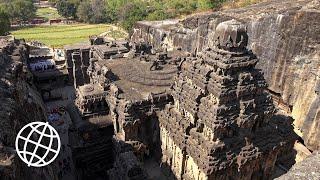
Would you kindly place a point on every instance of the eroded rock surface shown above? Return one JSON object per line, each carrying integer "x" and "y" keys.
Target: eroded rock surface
{"x": 307, "y": 169}
{"x": 222, "y": 123}
{"x": 20, "y": 104}
{"x": 284, "y": 35}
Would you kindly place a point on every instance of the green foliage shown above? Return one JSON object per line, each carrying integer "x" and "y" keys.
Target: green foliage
{"x": 19, "y": 10}
{"x": 113, "y": 7}
{"x": 181, "y": 7}
{"x": 60, "y": 35}
{"x": 53, "y": 1}
{"x": 127, "y": 12}
{"x": 84, "y": 11}
{"x": 153, "y": 10}
{"x": 48, "y": 13}
{"x": 67, "y": 8}
{"x": 98, "y": 7}
{"x": 132, "y": 12}
{"x": 116, "y": 34}
{"x": 159, "y": 15}
{"x": 92, "y": 11}
{"x": 4, "y": 22}
{"x": 205, "y": 4}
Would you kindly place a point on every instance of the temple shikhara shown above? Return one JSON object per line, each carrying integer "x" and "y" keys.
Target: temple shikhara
{"x": 222, "y": 119}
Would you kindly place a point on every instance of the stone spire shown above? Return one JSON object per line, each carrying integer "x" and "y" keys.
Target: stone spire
{"x": 220, "y": 103}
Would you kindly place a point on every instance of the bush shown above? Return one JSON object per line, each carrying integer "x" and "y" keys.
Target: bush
{"x": 159, "y": 15}
{"x": 239, "y": 3}
{"x": 20, "y": 10}
{"x": 92, "y": 11}
{"x": 4, "y": 22}
{"x": 84, "y": 11}
{"x": 67, "y": 9}
{"x": 132, "y": 12}
{"x": 99, "y": 11}
{"x": 112, "y": 9}
{"x": 128, "y": 12}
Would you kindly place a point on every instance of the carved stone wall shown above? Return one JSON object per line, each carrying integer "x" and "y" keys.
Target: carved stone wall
{"x": 222, "y": 123}
{"x": 20, "y": 103}
{"x": 284, "y": 36}
{"x": 78, "y": 61}
{"x": 137, "y": 121}
{"x": 126, "y": 166}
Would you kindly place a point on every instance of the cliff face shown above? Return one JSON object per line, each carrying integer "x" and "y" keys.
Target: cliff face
{"x": 307, "y": 169}
{"x": 284, "y": 35}
{"x": 19, "y": 105}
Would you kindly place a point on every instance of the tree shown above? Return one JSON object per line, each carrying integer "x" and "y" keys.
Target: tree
{"x": 92, "y": 11}
{"x": 4, "y": 22}
{"x": 98, "y": 7}
{"x": 112, "y": 9}
{"x": 158, "y": 14}
{"x": 132, "y": 12}
{"x": 21, "y": 10}
{"x": 67, "y": 8}
{"x": 84, "y": 12}
{"x": 158, "y": 11}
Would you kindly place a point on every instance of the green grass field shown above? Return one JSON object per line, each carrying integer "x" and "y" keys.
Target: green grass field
{"x": 48, "y": 13}
{"x": 60, "y": 35}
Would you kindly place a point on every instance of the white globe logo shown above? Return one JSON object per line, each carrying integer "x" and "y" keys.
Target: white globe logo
{"x": 38, "y": 144}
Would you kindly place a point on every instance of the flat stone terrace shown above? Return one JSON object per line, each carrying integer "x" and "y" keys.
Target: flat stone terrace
{"x": 137, "y": 81}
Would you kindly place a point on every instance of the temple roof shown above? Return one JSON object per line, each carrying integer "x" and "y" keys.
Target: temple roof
{"x": 136, "y": 80}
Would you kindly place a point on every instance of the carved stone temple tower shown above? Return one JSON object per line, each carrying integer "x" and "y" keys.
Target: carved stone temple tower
{"x": 222, "y": 124}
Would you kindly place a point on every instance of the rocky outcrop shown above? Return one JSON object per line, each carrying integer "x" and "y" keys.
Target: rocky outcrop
{"x": 20, "y": 104}
{"x": 307, "y": 169}
{"x": 126, "y": 166}
{"x": 285, "y": 37}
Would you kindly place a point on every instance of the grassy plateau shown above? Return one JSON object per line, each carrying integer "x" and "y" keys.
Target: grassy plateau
{"x": 48, "y": 13}
{"x": 60, "y": 35}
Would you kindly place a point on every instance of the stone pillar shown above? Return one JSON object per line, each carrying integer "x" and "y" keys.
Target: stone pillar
{"x": 77, "y": 71}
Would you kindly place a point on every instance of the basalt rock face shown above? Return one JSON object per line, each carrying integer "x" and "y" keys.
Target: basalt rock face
{"x": 222, "y": 124}
{"x": 19, "y": 104}
{"x": 307, "y": 169}
{"x": 283, "y": 34}
{"x": 126, "y": 166}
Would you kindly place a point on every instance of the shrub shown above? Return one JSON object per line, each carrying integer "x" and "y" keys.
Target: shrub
{"x": 132, "y": 12}
{"x": 66, "y": 8}
{"x": 4, "y": 22}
